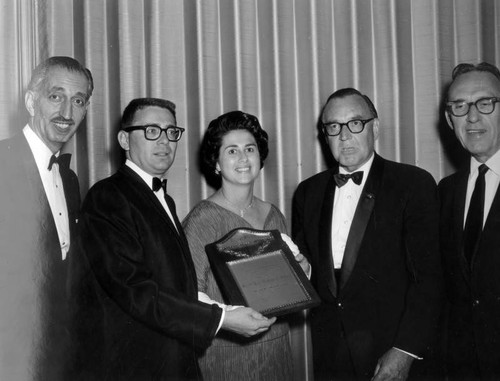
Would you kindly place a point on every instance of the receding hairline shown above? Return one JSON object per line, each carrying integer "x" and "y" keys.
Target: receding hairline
{"x": 336, "y": 98}
{"x": 41, "y": 72}
{"x": 494, "y": 80}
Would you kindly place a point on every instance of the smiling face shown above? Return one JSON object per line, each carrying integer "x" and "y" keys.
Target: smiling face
{"x": 239, "y": 159}
{"x": 58, "y": 107}
{"x": 351, "y": 150}
{"x": 478, "y": 133}
{"x": 153, "y": 156}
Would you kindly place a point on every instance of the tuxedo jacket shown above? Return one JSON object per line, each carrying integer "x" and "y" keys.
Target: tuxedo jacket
{"x": 473, "y": 290}
{"x": 139, "y": 317}
{"x": 33, "y": 300}
{"x": 390, "y": 283}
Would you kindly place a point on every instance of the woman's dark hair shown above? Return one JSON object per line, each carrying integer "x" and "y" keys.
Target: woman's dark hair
{"x": 218, "y": 128}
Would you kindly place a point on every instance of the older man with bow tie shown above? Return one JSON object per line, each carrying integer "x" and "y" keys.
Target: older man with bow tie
{"x": 39, "y": 204}
{"x": 369, "y": 229}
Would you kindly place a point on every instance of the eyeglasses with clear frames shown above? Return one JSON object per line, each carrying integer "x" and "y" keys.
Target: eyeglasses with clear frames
{"x": 153, "y": 132}
{"x": 355, "y": 126}
{"x": 461, "y": 108}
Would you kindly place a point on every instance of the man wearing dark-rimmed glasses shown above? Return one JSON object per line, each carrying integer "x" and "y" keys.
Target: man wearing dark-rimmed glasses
{"x": 138, "y": 314}
{"x": 470, "y": 225}
{"x": 369, "y": 228}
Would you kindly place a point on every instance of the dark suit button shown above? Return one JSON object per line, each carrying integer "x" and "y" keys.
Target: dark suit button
{"x": 339, "y": 304}
{"x": 475, "y": 303}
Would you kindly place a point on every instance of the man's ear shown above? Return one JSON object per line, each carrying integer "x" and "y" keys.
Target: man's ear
{"x": 29, "y": 101}
{"x": 448, "y": 119}
{"x": 375, "y": 128}
{"x": 123, "y": 140}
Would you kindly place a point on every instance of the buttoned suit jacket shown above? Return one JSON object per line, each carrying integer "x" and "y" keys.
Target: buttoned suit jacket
{"x": 139, "y": 317}
{"x": 473, "y": 290}
{"x": 390, "y": 283}
{"x": 33, "y": 300}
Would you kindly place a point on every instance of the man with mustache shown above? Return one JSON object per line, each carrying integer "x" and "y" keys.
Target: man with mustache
{"x": 470, "y": 225}
{"x": 39, "y": 202}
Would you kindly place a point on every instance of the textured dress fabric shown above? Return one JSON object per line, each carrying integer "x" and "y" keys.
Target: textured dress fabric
{"x": 266, "y": 357}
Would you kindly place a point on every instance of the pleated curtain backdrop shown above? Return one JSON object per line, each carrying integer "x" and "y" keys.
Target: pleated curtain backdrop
{"x": 277, "y": 59}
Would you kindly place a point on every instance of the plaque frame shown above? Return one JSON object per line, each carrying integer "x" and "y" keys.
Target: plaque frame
{"x": 256, "y": 268}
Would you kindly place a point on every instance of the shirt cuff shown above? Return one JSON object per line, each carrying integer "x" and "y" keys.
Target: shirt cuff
{"x": 221, "y": 321}
{"x": 410, "y": 354}
{"x": 204, "y": 298}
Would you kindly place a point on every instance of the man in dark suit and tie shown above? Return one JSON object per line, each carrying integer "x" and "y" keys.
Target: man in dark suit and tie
{"x": 39, "y": 204}
{"x": 369, "y": 229}
{"x": 139, "y": 316}
{"x": 470, "y": 226}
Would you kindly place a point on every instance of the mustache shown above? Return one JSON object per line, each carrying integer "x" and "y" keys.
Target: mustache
{"x": 61, "y": 119}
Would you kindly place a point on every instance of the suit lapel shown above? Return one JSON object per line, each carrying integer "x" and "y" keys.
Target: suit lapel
{"x": 33, "y": 189}
{"x": 362, "y": 215}
{"x": 34, "y": 193}
{"x": 72, "y": 195}
{"x": 147, "y": 193}
{"x": 493, "y": 214}
{"x": 171, "y": 204}
{"x": 325, "y": 234}
{"x": 491, "y": 224}
{"x": 458, "y": 220}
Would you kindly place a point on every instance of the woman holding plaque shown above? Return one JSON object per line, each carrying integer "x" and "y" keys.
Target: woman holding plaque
{"x": 234, "y": 149}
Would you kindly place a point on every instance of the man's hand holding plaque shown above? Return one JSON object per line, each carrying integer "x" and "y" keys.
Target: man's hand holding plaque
{"x": 246, "y": 321}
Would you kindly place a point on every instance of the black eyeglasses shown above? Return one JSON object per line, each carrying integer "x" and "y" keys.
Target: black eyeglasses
{"x": 356, "y": 126}
{"x": 461, "y": 108}
{"x": 153, "y": 132}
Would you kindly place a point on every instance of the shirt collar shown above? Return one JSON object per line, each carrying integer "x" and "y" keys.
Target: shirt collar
{"x": 148, "y": 179}
{"x": 41, "y": 152}
{"x": 493, "y": 164}
{"x": 365, "y": 168}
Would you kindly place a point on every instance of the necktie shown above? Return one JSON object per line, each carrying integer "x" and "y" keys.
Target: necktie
{"x": 475, "y": 215}
{"x": 341, "y": 179}
{"x": 157, "y": 184}
{"x": 62, "y": 160}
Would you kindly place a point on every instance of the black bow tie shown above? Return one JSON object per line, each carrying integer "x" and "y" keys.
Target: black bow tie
{"x": 62, "y": 160}
{"x": 341, "y": 178}
{"x": 157, "y": 184}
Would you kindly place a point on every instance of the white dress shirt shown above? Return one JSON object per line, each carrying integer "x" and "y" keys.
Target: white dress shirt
{"x": 53, "y": 186}
{"x": 344, "y": 206}
{"x": 491, "y": 178}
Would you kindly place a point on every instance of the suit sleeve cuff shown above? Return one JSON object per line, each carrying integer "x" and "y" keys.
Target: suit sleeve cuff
{"x": 202, "y": 297}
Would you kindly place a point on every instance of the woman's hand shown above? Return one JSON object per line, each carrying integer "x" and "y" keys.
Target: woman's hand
{"x": 303, "y": 262}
